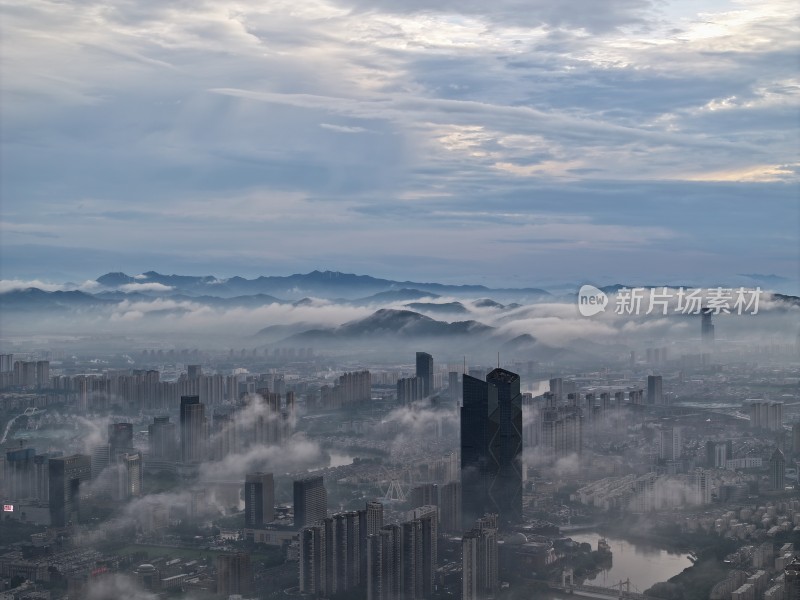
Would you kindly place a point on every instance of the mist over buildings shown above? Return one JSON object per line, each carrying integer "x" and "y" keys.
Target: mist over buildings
{"x": 347, "y": 300}
{"x": 162, "y": 443}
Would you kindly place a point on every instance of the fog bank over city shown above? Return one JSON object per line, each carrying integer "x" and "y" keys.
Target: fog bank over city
{"x": 408, "y": 300}
{"x": 389, "y": 322}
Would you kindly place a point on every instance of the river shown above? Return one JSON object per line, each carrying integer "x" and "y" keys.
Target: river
{"x": 644, "y": 565}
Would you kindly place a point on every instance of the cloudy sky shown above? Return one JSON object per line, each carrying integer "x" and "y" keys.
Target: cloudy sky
{"x": 508, "y": 142}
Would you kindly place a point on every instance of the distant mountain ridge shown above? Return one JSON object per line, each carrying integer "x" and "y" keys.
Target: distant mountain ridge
{"x": 298, "y": 290}
{"x": 388, "y": 321}
{"x": 325, "y": 284}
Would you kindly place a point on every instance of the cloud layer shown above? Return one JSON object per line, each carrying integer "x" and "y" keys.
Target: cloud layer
{"x": 515, "y": 140}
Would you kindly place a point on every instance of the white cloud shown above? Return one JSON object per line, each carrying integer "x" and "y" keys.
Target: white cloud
{"x": 7, "y": 285}
{"x": 145, "y": 287}
{"x": 343, "y": 128}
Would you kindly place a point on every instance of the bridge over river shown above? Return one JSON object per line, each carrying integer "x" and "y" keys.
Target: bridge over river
{"x": 621, "y": 590}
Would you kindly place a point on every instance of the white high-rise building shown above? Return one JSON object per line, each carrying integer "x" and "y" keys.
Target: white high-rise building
{"x": 765, "y": 414}
{"x": 669, "y": 443}
{"x": 479, "y": 560}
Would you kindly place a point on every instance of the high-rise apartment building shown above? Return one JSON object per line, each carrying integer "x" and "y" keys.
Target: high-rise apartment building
{"x": 425, "y": 520}
{"x": 453, "y": 388}
{"x": 765, "y": 414}
{"x": 20, "y": 474}
{"x": 384, "y": 561}
{"x": 777, "y": 471}
{"x": 491, "y": 447}
{"x": 557, "y": 388}
{"x": 479, "y": 560}
{"x": 370, "y": 521}
{"x": 560, "y": 431}
{"x": 424, "y": 494}
{"x": 718, "y": 454}
{"x": 42, "y": 373}
{"x": 410, "y": 389}
{"x": 450, "y": 507}
{"x": 402, "y": 559}
{"x": 330, "y": 555}
{"x": 234, "y": 574}
{"x": 796, "y": 438}
{"x": 670, "y": 443}
{"x": 129, "y": 472}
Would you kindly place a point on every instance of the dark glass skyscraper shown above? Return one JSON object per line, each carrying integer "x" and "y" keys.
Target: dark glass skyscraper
{"x": 259, "y": 499}
{"x": 310, "y": 501}
{"x": 491, "y": 448}
{"x": 120, "y": 439}
{"x": 67, "y": 475}
{"x": 193, "y": 429}
{"x": 425, "y": 372}
{"x": 706, "y": 326}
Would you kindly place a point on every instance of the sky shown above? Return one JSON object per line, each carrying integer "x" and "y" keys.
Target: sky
{"x": 505, "y": 143}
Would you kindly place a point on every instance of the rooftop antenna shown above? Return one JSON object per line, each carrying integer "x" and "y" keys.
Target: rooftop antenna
{"x": 464, "y": 372}
{"x": 498, "y": 360}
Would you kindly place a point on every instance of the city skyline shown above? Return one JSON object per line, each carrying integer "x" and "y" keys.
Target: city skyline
{"x": 400, "y": 300}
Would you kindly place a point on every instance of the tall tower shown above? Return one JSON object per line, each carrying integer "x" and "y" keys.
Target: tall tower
{"x": 425, "y": 372}
{"x": 384, "y": 562}
{"x": 706, "y": 326}
{"x": 120, "y": 439}
{"x": 374, "y": 517}
{"x": 259, "y": 499}
{"x": 479, "y": 560}
{"x": 425, "y": 520}
{"x": 450, "y": 507}
{"x": 310, "y": 501}
{"x": 655, "y": 392}
{"x": 312, "y": 549}
{"x": 20, "y": 473}
{"x": 67, "y": 474}
{"x": 491, "y": 447}
{"x": 129, "y": 475}
{"x": 193, "y": 429}
{"x": 777, "y": 470}
{"x": 452, "y": 386}
{"x": 162, "y": 437}
{"x": 670, "y": 443}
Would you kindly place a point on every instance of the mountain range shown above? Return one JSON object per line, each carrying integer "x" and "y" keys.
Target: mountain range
{"x": 323, "y": 284}
{"x": 400, "y": 311}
